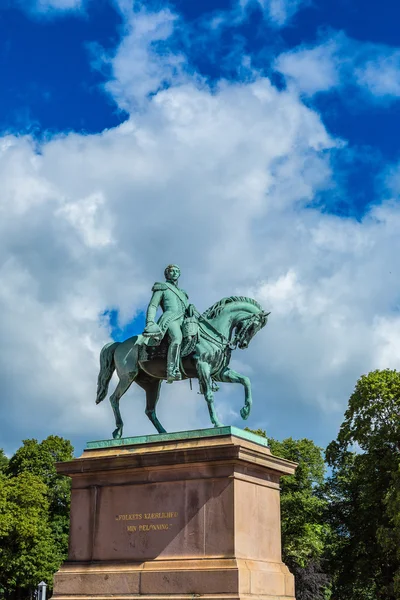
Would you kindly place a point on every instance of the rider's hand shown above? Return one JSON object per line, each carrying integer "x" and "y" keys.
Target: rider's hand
{"x": 151, "y": 329}
{"x": 191, "y": 310}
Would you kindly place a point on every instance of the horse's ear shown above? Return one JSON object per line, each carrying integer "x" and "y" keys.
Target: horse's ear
{"x": 264, "y": 317}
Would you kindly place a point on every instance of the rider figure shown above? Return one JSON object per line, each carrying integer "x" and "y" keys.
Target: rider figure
{"x": 174, "y": 303}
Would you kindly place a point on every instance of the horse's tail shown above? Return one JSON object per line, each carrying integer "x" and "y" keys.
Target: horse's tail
{"x": 107, "y": 368}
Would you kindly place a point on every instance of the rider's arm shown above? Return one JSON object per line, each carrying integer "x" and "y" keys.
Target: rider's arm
{"x": 153, "y": 305}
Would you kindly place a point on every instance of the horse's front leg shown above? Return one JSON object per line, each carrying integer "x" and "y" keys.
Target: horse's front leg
{"x": 204, "y": 375}
{"x": 230, "y": 376}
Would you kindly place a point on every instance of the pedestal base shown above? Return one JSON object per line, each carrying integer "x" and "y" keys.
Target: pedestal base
{"x": 176, "y": 516}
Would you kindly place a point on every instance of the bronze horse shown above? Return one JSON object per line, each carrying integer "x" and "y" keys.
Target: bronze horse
{"x": 232, "y": 322}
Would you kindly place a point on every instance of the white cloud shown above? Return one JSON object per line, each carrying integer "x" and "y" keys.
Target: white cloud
{"x": 312, "y": 69}
{"x": 279, "y": 12}
{"x": 86, "y": 216}
{"x": 339, "y": 62}
{"x": 219, "y": 181}
{"x": 50, "y": 8}
{"x": 276, "y": 14}
{"x": 59, "y": 4}
{"x": 140, "y": 66}
{"x": 381, "y": 75}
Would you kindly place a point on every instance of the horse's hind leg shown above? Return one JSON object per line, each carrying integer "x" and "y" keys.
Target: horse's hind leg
{"x": 152, "y": 389}
{"x": 152, "y": 396}
{"x": 123, "y": 385}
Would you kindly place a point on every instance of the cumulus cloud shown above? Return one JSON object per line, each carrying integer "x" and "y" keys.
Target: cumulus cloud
{"x": 381, "y": 75}
{"x": 279, "y": 12}
{"x": 311, "y": 69}
{"x": 51, "y": 8}
{"x": 143, "y": 64}
{"x": 341, "y": 62}
{"x": 221, "y": 182}
{"x": 275, "y": 14}
{"x": 59, "y": 4}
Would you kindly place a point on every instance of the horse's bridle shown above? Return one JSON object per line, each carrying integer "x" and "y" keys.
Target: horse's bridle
{"x": 225, "y": 343}
{"x": 239, "y": 334}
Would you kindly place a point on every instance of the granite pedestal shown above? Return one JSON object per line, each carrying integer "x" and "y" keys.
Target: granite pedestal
{"x": 178, "y": 516}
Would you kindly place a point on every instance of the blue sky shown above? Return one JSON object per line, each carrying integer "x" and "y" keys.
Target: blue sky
{"x": 253, "y": 142}
{"x": 50, "y": 82}
{"x": 53, "y": 81}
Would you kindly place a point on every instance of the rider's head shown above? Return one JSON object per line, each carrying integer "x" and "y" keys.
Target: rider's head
{"x": 172, "y": 272}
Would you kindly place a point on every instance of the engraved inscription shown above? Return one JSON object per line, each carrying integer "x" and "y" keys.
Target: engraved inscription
{"x": 149, "y": 526}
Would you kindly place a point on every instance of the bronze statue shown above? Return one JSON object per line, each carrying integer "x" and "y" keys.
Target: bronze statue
{"x": 197, "y": 346}
{"x": 174, "y": 303}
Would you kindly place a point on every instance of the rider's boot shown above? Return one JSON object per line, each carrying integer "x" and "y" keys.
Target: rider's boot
{"x": 173, "y": 368}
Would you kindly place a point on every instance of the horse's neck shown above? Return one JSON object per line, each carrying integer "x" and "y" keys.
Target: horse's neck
{"x": 230, "y": 316}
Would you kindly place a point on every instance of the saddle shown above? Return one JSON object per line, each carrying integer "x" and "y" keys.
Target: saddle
{"x": 190, "y": 332}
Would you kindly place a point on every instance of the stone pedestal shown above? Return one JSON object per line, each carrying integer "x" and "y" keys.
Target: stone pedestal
{"x": 185, "y": 515}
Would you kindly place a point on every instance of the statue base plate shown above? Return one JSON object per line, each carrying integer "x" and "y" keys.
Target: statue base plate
{"x": 176, "y": 516}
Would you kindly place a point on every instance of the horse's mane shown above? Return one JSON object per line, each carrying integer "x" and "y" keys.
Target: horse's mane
{"x": 216, "y": 308}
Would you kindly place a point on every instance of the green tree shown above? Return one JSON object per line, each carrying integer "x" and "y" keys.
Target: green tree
{"x": 39, "y": 459}
{"x": 3, "y": 461}
{"x": 28, "y": 552}
{"x": 303, "y": 508}
{"x": 372, "y": 419}
{"x": 390, "y": 537}
{"x": 365, "y": 460}
{"x": 34, "y": 515}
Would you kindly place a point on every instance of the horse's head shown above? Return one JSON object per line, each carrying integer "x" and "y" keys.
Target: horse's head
{"x": 248, "y": 327}
{"x": 237, "y": 318}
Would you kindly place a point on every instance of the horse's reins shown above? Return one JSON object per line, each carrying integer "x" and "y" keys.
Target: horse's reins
{"x": 226, "y": 344}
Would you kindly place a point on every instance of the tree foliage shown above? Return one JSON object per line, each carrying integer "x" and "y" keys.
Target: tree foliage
{"x": 390, "y": 537}
{"x": 34, "y": 515}
{"x": 39, "y": 459}
{"x": 28, "y": 551}
{"x": 303, "y": 508}
{"x": 372, "y": 419}
{"x": 3, "y": 461}
{"x": 365, "y": 463}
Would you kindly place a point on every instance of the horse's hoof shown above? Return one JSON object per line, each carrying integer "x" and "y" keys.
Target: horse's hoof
{"x": 117, "y": 434}
{"x": 244, "y": 412}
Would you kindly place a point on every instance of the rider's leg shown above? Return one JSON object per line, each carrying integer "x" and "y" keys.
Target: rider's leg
{"x": 173, "y": 357}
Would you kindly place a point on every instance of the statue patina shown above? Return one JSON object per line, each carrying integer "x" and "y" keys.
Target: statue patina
{"x": 183, "y": 344}
{"x": 174, "y": 303}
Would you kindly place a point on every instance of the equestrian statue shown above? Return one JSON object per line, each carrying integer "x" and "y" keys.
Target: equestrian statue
{"x": 182, "y": 344}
